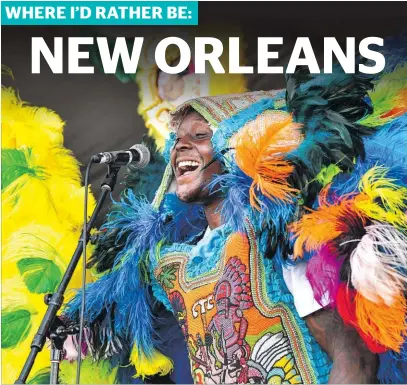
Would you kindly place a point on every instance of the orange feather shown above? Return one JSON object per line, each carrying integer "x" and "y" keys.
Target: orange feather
{"x": 321, "y": 226}
{"x": 401, "y": 106}
{"x": 384, "y": 324}
{"x": 261, "y": 146}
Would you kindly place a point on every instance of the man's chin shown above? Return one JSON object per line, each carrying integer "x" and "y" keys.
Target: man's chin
{"x": 188, "y": 195}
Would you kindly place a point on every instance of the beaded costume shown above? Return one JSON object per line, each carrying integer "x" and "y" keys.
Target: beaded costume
{"x": 313, "y": 173}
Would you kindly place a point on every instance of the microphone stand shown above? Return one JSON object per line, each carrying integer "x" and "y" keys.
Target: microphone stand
{"x": 50, "y": 323}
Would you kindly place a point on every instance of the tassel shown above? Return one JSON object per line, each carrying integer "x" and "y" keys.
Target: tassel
{"x": 260, "y": 149}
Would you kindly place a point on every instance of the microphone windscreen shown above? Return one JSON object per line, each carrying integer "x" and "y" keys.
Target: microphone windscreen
{"x": 144, "y": 156}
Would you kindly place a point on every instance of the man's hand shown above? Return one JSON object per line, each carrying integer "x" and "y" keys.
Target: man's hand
{"x": 353, "y": 362}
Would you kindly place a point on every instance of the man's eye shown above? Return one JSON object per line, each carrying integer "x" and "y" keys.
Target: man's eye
{"x": 200, "y": 135}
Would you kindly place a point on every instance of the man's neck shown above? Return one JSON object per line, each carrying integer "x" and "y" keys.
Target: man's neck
{"x": 212, "y": 213}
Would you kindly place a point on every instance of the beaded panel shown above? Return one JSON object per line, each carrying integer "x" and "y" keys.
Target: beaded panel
{"x": 234, "y": 333}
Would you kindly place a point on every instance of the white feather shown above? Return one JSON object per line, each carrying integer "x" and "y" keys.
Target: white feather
{"x": 379, "y": 263}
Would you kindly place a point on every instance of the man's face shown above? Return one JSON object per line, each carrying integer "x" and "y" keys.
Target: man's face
{"x": 191, "y": 153}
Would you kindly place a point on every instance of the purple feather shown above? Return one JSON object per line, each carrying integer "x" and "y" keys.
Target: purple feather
{"x": 323, "y": 273}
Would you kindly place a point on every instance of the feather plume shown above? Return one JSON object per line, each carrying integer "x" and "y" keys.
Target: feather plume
{"x": 142, "y": 227}
{"x": 24, "y": 125}
{"x": 329, "y": 107}
{"x": 346, "y": 307}
{"x": 324, "y": 225}
{"x": 156, "y": 363}
{"x": 121, "y": 300}
{"x": 389, "y": 98}
{"x": 235, "y": 186}
{"x": 385, "y": 148}
{"x": 260, "y": 149}
{"x": 40, "y": 255}
{"x": 51, "y": 178}
{"x": 384, "y": 324}
{"x": 379, "y": 264}
{"x": 92, "y": 372}
{"x": 393, "y": 368}
{"x": 323, "y": 273}
{"x": 16, "y": 164}
{"x": 138, "y": 223}
{"x": 382, "y": 327}
{"x": 381, "y": 199}
{"x": 121, "y": 296}
{"x": 38, "y": 238}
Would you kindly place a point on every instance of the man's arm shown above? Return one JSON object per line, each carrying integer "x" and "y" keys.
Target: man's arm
{"x": 353, "y": 362}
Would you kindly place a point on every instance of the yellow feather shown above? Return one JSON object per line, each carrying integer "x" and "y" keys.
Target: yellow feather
{"x": 56, "y": 202}
{"x": 381, "y": 198}
{"x": 16, "y": 296}
{"x": 157, "y": 363}
{"x": 24, "y": 125}
{"x": 13, "y": 359}
{"x": 48, "y": 243}
{"x": 42, "y": 214}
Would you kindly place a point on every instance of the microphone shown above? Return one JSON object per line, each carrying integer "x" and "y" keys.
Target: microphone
{"x": 138, "y": 156}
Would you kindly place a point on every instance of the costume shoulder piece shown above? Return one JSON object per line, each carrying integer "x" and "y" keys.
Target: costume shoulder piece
{"x": 316, "y": 172}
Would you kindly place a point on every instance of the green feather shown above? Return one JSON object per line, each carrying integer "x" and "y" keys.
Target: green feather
{"x": 326, "y": 175}
{"x": 15, "y": 325}
{"x": 385, "y": 96}
{"x": 41, "y": 377}
{"x": 92, "y": 372}
{"x": 40, "y": 275}
{"x": 15, "y": 164}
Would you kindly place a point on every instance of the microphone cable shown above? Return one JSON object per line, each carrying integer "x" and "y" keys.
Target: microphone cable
{"x": 84, "y": 238}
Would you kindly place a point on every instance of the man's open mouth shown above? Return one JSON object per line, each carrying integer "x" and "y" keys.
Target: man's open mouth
{"x": 186, "y": 167}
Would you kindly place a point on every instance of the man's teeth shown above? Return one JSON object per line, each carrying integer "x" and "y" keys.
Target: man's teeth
{"x": 188, "y": 163}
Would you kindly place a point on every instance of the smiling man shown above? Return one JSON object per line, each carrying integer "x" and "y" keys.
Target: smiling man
{"x": 192, "y": 161}
{"x": 194, "y": 167}
{"x": 265, "y": 289}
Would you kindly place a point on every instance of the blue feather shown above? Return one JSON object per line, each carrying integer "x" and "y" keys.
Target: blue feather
{"x": 142, "y": 226}
{"x": 393, "y": 367}
{"x": 184, "y": 220}
{"x": 236, "y": 207}
{"x": 385, "y": 148}
{"x": 127, "y": 304}
{"x": 122, "y": 293}
{"x": 169, "y": 144}
{"x": 235, "y": 186}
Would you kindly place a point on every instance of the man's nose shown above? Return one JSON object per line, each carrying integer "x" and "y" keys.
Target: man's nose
{"x": 184, "y": 143}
